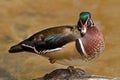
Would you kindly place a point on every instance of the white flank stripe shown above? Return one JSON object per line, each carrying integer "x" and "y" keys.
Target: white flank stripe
{"x": 51, "y": 50}
{"x": 44, "y": 51}
{"x": 30, "y": 47}
{"x": 82, "y": 47}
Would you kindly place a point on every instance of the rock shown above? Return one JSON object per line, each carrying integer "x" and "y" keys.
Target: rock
{"x": 73, "y": 74}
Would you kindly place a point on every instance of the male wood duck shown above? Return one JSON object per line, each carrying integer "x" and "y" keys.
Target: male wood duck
{"x": 67, "y": 45}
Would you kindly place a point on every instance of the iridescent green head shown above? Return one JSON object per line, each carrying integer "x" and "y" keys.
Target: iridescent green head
{"x": 85, "y": 22}
{"x": 84, "y": 16}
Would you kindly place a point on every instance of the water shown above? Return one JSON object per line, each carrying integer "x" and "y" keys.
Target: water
{"x": 21, "y": 18}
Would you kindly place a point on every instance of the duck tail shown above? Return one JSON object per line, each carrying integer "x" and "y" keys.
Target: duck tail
{"x": 16, "y": 48}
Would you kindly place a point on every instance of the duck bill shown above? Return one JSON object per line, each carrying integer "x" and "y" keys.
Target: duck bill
{"x": 83, "y": 30}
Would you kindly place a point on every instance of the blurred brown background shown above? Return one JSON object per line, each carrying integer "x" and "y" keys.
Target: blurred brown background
{"x": 21, "y": 18}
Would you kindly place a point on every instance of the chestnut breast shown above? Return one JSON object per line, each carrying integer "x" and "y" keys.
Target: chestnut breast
{"x": 93, "y": 42}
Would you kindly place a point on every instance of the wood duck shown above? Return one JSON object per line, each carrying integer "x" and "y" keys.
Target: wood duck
{"x": 70, "y": 45}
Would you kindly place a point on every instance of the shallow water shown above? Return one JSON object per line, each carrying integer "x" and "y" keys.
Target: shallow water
{"x": 21, "y": 18}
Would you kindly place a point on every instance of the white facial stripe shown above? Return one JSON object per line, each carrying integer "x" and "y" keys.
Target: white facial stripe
{"x": 92, "y": 23}
{"x": 81, "y": 22}
{"x": 82, "y": 47}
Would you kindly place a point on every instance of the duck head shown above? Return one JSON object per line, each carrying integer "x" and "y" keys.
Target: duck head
{"x": 84, "y": 23}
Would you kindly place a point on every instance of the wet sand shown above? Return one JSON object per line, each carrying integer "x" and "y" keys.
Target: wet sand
{"x": 21, "y": 18}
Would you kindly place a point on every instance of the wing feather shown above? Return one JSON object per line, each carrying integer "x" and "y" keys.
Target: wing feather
{"x": 49, "y": 40}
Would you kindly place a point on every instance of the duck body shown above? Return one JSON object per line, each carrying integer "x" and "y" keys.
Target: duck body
{"x": 70, "y": 55}
{"x": 68, "y": 45}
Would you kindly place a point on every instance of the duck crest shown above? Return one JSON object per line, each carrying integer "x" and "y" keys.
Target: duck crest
{"x": 93, "y": 42}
